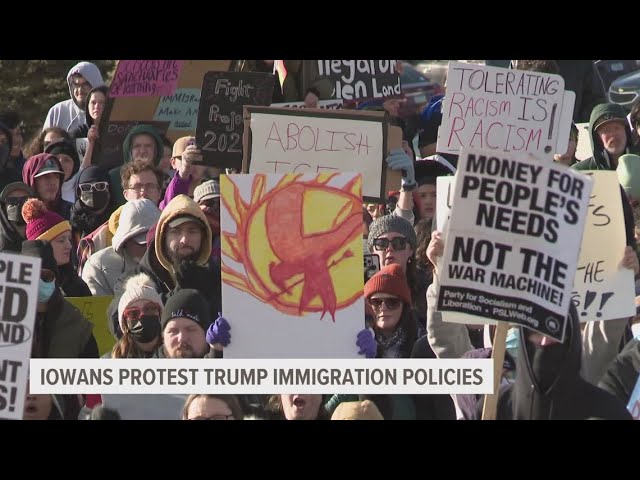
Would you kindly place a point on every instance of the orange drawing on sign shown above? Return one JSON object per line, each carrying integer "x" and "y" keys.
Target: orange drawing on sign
{"x": 297, "y": 257}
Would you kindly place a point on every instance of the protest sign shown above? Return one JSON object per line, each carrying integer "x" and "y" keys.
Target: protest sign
{"x": 281, "y": 140}
{"x": 353, "y": 79}
{"x": 145, "y": 78}
{"x": 510, "y": 252}
{"x": 503, "y": 110}
{"x": 292, "y": 261}
{"x": 19, "y": 279}
{"x": 220, "y": 124}
{"x": 113, "y": 136}
{"x": 180, "y": 109}
{"x": 323, "y": 104}
{"x": 634, "y": 402}
{"x": 584, "y": 149}
{"x": 144, "y": 109}
{"x": 94, "y": 309}
{"x": 445, "y": 187}
{"x": 602, "y": 288}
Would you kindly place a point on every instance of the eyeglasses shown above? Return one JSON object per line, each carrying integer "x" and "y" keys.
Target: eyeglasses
{"x": 147, "y": 187}
{"x": 84, "y": 85}
{"x": 215, "y": 417}
{"x": 391, "y": 303}
{"x": 97, "y": 186}
{"x": 398, "y": 243}
{"x": 134, "y": 313}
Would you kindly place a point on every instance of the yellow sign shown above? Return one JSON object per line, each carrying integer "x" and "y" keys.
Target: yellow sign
{"x": 94, "y": 309}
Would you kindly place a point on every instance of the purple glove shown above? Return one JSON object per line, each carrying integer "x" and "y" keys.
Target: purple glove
{"x": 367, "y": 343}
{"x": 219, "y": 332}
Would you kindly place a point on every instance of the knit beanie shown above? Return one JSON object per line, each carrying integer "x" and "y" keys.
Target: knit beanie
{"x": 391, "y": 280}
{"x": 187, "y": 303}
{"x": 41, "y": 223}
{"x": 629, "y": 174}
{"x": 64, "y": 146}
{"x": 365, "y": 410}
{"x": 388, "y": 224}
{"x": 138, "y": 287}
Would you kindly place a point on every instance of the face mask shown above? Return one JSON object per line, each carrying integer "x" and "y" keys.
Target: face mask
{"x": 513, "y": 342}
{"x": 14, "y": 210}
{"x": 45, "y": 290}
{"x": 4, "y": 152}
{"x": 146, "y": 328}
{"x": 95, "y": 200}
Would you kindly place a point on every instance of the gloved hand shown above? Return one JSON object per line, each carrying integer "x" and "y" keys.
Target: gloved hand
{"x": 367, "y": 343}
{"x": 219, "y": 332}
{"x": 399, "y": 160}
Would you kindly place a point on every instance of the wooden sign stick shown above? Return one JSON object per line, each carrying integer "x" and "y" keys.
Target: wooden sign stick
{"x": 499, "y": 344}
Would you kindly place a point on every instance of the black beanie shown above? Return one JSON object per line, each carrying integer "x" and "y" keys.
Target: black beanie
{"x": 66, "y": 147}
{"x": 187, "y": 303}
{"x": 42, "y": 249}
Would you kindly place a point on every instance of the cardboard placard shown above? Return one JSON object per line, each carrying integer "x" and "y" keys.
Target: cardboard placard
{"x": 323, "y": 104}
{"x": 292, "y": 260}
{"x": 352, "y": 79}
{"x": 510, "y": 248}
{"x": 145, "y": 78}
{"x": 220, "y": 126}
{"x": 19, "y": 279}
{"x": 94, "y": 309}
{"x": 143, "y": 109}
{"x": 279, "y": 140}
{"x": 602, "y": 288}
{"x": 504, "y": 110}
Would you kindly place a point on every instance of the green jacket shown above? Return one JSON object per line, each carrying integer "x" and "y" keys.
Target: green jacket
{"x": 114, "y": 173}
{"x": 599, "y": 160}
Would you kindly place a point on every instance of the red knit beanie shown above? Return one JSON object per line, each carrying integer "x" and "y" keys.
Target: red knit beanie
{"x": 41, "y": 223}
{"x": 391, "y": 280}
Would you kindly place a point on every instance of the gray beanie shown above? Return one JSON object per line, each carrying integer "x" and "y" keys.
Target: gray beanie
{"x": 391, "y": 223}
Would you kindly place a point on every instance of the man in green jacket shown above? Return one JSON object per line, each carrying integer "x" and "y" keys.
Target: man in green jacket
{"x": 142, "y": 142}
{"x": 610, "y": 136}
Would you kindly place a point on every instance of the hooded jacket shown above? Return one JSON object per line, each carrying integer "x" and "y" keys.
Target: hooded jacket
{"x": 548, "y": 384}
{"x": 108, "y": 267}
{"x": 114, "y": 173}
{"x": 10, "y": 239}
{"x": 83, "y": 130}
{"x": 600, "y": 160}
{"x": 158, "y": 266}
{"x": 31, "y": 168}
{"x": 622, "y": 376}
{"x": 85, "y": 220}
{"x": 67, "y": 114}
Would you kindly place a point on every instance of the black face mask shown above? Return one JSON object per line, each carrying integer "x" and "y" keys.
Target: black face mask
{"x": 147, "y": 328}
{"x": 95, "y": 200}
{"x": 14, "y": 210}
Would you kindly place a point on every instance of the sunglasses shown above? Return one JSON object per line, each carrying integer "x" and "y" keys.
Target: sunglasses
{"x": 398, "y": 243}
{"x": 134, "y": 313}
{"x": 213, "y": 203}
{"x": 215, "y": 417}
{"x": 391, "y": 303}
{"x": 98, "y": 187}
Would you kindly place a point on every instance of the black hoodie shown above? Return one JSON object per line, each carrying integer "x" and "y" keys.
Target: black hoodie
{"x": 622, "y": 376}
{"x": 548, "y": 384}
{"x": 9, "y": 172}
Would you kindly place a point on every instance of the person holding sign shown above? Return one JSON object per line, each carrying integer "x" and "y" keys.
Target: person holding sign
{"x": 548, "y": 384}
{"x": 60, "y": 329}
